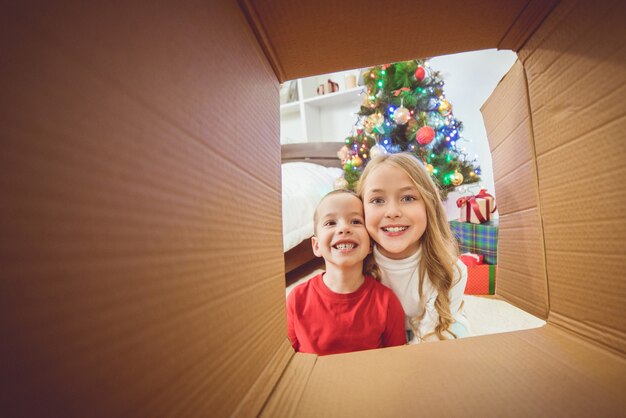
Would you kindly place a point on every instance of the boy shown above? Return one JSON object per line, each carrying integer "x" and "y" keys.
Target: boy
{"x": 342, "y": 310}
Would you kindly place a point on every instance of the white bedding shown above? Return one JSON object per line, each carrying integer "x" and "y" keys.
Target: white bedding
{"x": 304, "y": 184}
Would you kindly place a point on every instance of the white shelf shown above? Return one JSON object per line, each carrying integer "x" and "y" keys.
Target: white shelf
{"x": 328, "y": 117}
{"x": 339, "y": 97}
{"x": 289, "y": 108}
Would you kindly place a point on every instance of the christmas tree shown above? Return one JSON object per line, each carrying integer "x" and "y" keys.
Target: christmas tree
{"x": 405, "y": 109}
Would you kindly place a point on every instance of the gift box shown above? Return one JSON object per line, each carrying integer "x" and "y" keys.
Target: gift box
{"x": 477, "y": 209}
{"x": 481, "y": 279}
{"x": 470, "y": 259}
{"x": 478, "y": 239}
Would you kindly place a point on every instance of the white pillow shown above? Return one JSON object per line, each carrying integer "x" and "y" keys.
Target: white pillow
{"x": 304, "y": 185}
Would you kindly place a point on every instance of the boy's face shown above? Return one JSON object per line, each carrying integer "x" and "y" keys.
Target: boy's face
{"x": 341, "y": 237}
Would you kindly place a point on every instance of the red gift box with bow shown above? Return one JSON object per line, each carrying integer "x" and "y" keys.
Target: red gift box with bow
{"x": 481, "y": 278}
{"x": 477, "y": 209}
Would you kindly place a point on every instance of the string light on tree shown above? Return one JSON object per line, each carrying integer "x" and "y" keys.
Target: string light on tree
{"x": 404, "y": 109}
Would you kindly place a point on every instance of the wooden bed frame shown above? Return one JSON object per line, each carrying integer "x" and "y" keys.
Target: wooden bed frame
{"x": 322, "y": 153}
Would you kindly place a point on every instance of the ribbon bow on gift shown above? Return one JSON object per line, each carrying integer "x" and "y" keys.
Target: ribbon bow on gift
{"x": 472, "y": 205}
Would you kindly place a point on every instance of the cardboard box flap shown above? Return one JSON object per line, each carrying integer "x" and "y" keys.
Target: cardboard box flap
{"x": 526, "y": 23}
{"x": 260, "y": 391}
{"x": 286, "y": 396}
{"x": 539, "y": 372}
{"x": 303, "y": 39}
{"x": 136, "y": 280}
{"x": 573, "y": 74}
{"x": 522, "y": 276}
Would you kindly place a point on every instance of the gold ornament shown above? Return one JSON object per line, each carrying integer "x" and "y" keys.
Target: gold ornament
{"x": 342, "y": 154}
{"x": 340, "y": 183}
{"x": 401, "y": 115}
{"x": 445, "y": 107}
{"x": 457, "y": 179}
{"x": 430, "y": 168}
{"x": 357, "y": 161}
{"x": 376, "y": 119}
{"x": 373, "y": 123}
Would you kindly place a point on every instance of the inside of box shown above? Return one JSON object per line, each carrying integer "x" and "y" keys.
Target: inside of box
{"x": 142, "y": 270}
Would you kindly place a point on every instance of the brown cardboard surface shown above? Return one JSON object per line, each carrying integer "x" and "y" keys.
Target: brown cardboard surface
{"x": 539, "y": 372}
{"x": 563, "y": 68}
{"x": 308, "y": 38}
{"x": 287, "y": 394}
{"x": 503, "y": 113}
{"x": 258, "y": 394}
{"x": 513, "y": 153}
{"x": 521, "y": 276}
{"x": 140, "y": 245}
{"x": 140, "y": 236}
{"x": 527, "y": 22}
{"x": 517, "y": 189}
{"x": 571, "y": 72}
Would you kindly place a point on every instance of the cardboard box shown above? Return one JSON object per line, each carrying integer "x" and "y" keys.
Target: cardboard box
{"x": 140, "y": 231}
{"x": 479, "y": 239}
{"x": 481, "y": 280}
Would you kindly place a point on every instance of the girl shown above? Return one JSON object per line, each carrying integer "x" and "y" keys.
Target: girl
{"x": 415, "y": 250}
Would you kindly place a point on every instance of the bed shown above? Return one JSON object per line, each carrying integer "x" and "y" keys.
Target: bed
{"x": 308, "y": 173}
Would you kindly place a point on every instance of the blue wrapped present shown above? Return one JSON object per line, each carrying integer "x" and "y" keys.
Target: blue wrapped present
{"x": 479, "y": 239}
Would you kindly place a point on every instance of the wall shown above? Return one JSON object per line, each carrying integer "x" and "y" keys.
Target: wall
{"x": 470, "y": 78}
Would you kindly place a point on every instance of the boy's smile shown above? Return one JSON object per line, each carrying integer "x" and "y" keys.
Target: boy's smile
{"x": 341, "y": 237}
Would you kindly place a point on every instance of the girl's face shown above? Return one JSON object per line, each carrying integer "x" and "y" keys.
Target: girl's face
{"x": 395, "y": 213}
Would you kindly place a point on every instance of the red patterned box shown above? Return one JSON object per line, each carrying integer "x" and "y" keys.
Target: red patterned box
{"x": 481, "y": 279}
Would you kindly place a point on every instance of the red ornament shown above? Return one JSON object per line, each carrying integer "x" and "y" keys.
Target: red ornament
{"x": 425, "y": 135}
{"x": 420, "y": 73}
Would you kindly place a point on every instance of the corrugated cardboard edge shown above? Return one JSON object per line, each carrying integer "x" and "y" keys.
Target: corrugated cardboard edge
{"x": 258, "y": 394}
{"x": 285, "y": 398}
{"x": 526, "y": 24}
{"x": 256, "y": 25}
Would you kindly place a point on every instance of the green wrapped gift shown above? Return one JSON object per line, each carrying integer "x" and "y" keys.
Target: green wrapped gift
{"x": 479, "y": 239}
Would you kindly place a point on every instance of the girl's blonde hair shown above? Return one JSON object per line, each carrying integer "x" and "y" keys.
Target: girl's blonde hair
{"x": 369, "y": 264}
{"x": 439, "y": 248}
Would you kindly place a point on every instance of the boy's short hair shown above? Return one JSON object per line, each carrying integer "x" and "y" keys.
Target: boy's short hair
{"x": 331, "y": 193}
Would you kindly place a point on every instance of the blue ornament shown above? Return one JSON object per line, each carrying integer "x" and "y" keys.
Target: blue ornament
{"x": 432, "y": 104}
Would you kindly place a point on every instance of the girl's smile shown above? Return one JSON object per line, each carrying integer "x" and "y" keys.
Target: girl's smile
{"x": 394, "y": 230}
